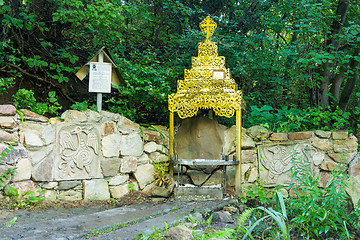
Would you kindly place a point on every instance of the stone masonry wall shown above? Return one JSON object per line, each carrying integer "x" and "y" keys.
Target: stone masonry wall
{"x": 265, "y": 155}
{"x": 86, "y": 155}
{"x": 90, "y": 155}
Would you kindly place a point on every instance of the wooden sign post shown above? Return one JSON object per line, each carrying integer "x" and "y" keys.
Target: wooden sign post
{"x": 102, "y": 72}
{"x": 100, "y": 79}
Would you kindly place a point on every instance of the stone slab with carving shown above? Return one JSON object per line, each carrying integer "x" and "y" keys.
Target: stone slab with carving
{"x": 78, "y": 152}
{"x": 276, "y": 162}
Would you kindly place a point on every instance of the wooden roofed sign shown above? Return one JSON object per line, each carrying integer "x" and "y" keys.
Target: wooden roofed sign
{"x": 116, "y": 77}
{"x": 102, "y": 72}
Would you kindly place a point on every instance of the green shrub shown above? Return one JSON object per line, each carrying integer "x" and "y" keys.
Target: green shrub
{"x": 83, "y": 106}
{"x": 26, "y": 200}
{"x": 296, "y": 120}
{"x": 26, "y": 99}
{"x": 319, "y": 212}
{"x": 258, "y": 194}
{"x": 6, "y": 83}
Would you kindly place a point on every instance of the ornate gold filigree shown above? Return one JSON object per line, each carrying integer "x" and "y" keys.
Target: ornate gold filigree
{"x": 200, "y": 89}
{"x": 208, "y": 27}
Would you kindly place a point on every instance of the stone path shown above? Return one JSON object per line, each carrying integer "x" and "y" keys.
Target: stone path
{"x": 59, "y": 225}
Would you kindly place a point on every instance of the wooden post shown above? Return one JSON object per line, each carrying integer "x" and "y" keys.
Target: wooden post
{"x": 171, "y": 142}
{"x": 99, "y": 95}
{"x": 238, "y": 174}
{"x": 99, "y": 101}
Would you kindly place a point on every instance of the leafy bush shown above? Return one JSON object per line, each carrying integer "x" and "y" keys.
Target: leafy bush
{"x": 257, "y": 195}
{"x": 83, "y": 106}
{"x": 26, "y": 200}
{"x": 141, "y": 100}
{"x": 26, "y": 99}
{"x": 314, "y": 212}
{"x": 319, "y": 213}
{"x": 295, "y": 120}
{"x": 6, "y": 83}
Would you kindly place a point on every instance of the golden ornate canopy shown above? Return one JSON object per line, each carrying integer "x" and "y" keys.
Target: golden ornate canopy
{"x": 208, "y": 84}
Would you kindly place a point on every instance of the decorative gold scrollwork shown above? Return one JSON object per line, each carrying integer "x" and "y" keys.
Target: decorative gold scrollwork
{"x": 200, "y": 89}
{"x": 208, "y": 27}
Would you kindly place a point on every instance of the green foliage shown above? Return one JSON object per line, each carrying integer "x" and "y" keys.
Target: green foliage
{"x": 6, "y": 176}
{"x": 26, "y": 200}
{"x": 280, "y": 217}
{"x": 226, "y": 233}
{"x": 120, "y": 104}
{"x": 143, "y": 53}
{"x": 320, "y": 212}
{"x": 32, "y": 48}
{"x": 6, "y": 83}
{"x": 161, "y": 174}
{"x": 244, "y": 217}
{"x": 83, "y": 106}
{"x": 286, "y": 49}
{"x": 354, "y": 118}
{"x": 131, "y": 187}
{"x": 279, "y": 56}
{"x": 26, "y": 99}
{"x": 11, "y": 191}
{"x": 108, "y": 229}
{"x": 296, "y": 120}
{"x": 9, "y": 172}
{"x": 251, "y": 219}
{"x": 143, "y": 97}
{"x": 256, "y": 194}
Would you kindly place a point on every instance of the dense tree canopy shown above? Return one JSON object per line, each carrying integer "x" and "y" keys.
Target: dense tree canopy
{"x": 286, "y": 55}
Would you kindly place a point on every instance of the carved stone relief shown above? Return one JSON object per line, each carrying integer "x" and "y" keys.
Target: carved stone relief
{"x": 276, "y": 162}
{"x": 78, "y": 155}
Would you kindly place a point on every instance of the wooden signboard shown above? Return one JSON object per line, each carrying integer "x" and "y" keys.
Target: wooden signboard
{"x": 100, "y": 77}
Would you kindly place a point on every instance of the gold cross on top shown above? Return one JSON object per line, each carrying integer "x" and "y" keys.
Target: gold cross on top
{"x": 208, "y": 26}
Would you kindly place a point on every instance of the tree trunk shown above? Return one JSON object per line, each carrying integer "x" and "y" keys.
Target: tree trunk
{"x": 332, "y": 45}
{"x": 351, "y": 82}
{"x": 324, "y": 86}
{"x": 336, "y": 85}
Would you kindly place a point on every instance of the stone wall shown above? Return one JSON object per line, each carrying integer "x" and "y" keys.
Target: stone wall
{"x": 269, "y": 156}
{"x": 90, "y": 155}
{"x": 86, "y": 155}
